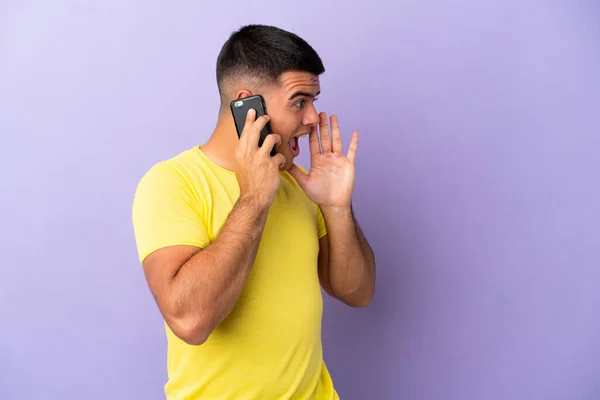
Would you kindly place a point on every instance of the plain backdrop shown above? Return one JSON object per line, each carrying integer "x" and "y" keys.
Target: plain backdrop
{"x": 477, "y": 184}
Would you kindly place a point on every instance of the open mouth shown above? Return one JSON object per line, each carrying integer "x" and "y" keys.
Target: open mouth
{"x": 293, "y": 142}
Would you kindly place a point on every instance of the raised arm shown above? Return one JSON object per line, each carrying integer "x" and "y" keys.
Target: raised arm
{"x": 195, "y": 288}
{"x": 346, "y": 261}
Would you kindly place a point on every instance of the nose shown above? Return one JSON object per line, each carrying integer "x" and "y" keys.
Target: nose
{"x": 311, "y": 117}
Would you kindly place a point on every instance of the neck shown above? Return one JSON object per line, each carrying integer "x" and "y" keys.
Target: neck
{"x": 221, "y": 144}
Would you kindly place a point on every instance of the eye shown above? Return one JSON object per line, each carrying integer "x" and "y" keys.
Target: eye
{"x": 300, "y": 103}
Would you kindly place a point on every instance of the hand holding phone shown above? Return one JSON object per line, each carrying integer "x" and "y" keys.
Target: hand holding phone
{"x": 240, "y": 108}
{"x": 257, "y": 171}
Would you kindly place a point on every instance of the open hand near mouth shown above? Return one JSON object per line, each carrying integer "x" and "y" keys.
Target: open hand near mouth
{"x": 330, "y": 180}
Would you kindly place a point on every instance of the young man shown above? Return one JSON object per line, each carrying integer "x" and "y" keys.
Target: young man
{"x": 236, "y": 244}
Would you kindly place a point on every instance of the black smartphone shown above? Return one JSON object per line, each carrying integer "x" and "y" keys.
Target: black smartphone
{"x": 239, "y": 109}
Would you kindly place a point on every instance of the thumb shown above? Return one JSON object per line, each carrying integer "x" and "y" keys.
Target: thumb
{"x": 298, "y": 175}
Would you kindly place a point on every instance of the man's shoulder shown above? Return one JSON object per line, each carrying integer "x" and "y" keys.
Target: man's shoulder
{"x": 174, "y": 167}
{"x": 183, "y": 161}
{"x": 167, "y": 208}
{"x": 167, "y": 175}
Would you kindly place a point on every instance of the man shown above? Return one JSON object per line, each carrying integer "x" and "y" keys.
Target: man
{"x": 236, "y": 244}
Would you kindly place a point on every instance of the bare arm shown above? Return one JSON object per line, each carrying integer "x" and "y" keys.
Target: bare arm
{"x": 196, "y": 289}
{"x": 346, "y": 261}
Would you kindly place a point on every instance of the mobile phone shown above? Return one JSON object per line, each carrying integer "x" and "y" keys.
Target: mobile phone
{"x": 239, "y": 109}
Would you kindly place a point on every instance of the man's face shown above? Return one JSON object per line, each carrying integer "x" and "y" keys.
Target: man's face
{"x": 290, "y": 106}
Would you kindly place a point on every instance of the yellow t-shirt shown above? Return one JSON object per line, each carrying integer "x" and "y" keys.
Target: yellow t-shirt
{"x": 269, "y": 346}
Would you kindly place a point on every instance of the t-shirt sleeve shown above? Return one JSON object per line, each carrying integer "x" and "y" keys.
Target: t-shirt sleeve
{"x": 166, "y": 212}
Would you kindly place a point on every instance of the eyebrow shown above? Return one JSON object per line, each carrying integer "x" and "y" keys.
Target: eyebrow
{"x": 306, "y": 94}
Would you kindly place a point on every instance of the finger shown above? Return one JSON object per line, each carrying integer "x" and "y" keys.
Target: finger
{"x": 336, "y": 139}
{"x": 270, "y": 142}
{"x": 253, "y": 133}
{"x": 279, "y": 159}
{"x": 313, "y": 142}
{"x": 250, "y": 115}
{"x": 324, "y": 133}
{"x": 353, "y": 147}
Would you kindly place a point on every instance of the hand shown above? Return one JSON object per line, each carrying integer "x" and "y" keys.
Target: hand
{"x": 330, "y": 180}
{"x": 257, "y": 172}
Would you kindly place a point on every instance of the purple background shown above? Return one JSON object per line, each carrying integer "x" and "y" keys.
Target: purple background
{"x": 478, "y": 186}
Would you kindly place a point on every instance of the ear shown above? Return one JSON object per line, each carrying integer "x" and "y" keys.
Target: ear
{"x": 243, "y": 93}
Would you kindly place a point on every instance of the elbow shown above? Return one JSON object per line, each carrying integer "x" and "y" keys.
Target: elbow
{"x": 192, "y": 336}
{"x": 193, "y": 330}
{"x": 361, "y": 301}
{"x": 368, "y": 292}
{"x": 359, "y": 298}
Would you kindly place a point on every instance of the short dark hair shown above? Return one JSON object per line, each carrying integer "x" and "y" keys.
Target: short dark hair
{"x": 265, "y": 52}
